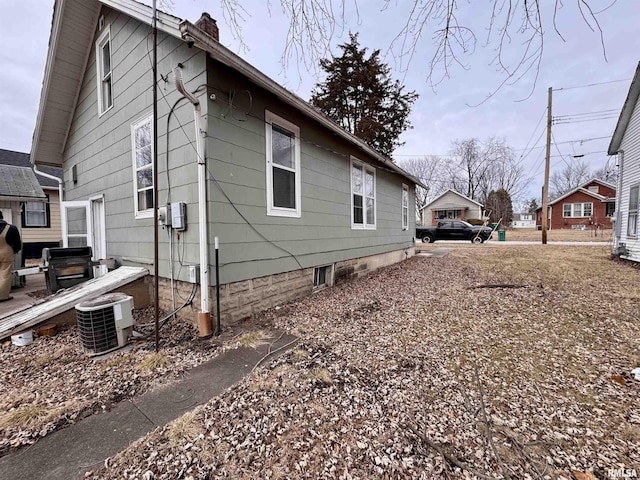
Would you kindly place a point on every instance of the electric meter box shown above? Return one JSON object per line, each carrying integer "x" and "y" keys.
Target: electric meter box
{"x": 179, "y": 216}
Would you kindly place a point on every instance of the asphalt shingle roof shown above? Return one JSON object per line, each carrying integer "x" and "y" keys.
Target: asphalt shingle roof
{"x": 19, "y": 159}
{"x": 19, "y": 182}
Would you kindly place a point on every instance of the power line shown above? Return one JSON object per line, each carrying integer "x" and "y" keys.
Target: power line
{"x": 523, "y": 155}
{"x": 591, "y": 85}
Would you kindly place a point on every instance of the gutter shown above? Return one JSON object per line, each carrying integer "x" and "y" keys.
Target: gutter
{"x": 194, "y": 36}
{"x": 204, "y": 317}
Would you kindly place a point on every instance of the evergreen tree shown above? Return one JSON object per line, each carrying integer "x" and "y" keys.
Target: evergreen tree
{"x": 361, "y": 97}
{"x": 500, "y": 207}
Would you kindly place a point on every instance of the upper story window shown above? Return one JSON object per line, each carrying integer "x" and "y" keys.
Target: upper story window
{"x": 611, "y": 209}
{"x": 104, "y": 74}
{"x": 593, "y": 188}
{"x": 405, "y": 207}
{"x": 283, "y": 167}
{"x": 632, "y": 218}
{"x": 363, "y": 195}
{"x": 142, "y": 151}
{"x": 35, "y": 215}
{"x": 577, "y": 210}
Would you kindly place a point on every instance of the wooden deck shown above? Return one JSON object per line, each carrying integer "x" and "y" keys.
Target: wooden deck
{"x": 65, "y": 300}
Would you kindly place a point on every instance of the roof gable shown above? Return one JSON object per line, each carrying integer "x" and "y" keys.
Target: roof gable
{"x": 455, "y": 193}
{"x": 583, "y": 188}
{"x": 72, "y": 33}
{"x": 626, "y": 113}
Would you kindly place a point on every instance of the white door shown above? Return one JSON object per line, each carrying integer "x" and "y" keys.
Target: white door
{"x": 99, "y": 240}
{"x": 76, "y": 224}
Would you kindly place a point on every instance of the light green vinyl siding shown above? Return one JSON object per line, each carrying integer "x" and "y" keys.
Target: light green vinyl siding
{"x": 236, "y": 150}
{"x": 100, "y": 148}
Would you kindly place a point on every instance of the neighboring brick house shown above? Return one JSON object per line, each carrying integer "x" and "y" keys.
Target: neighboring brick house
{"x": 450, "y": 205}
{"x": 591, "y": 204}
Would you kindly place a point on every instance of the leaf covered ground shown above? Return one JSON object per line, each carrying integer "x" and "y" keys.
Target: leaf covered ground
{"x": 413, "y": 373}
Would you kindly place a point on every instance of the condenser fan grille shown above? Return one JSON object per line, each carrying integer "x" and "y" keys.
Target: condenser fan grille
{"x": 97, "y": 329}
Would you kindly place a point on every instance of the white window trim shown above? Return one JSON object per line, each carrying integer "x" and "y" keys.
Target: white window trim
{"x": 365, "y": 167}
{"x": 270, "y": 119}
{"x": 147, "y": 118}
{"x": 104, "y": 37}
{"x": 633, "y": 211}
{"x": 328, "y": 277}
{"x": 582, "y": 215}
{"x": 405, "y": 188}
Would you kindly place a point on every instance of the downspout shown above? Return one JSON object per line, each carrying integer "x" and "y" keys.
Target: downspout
{"x": 63, "y": 213}
{"x": 205, "y": 328}
{"x": 618, "y": 199}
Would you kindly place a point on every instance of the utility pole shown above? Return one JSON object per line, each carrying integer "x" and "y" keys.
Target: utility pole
{"x": 156, "y": 272}
{"x": 545, "y": 188}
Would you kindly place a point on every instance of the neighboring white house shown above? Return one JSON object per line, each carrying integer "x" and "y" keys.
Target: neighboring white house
{"x": 523, "y": 220}
{"x": 626, "y": 144}
{"x": 450, "y": 205}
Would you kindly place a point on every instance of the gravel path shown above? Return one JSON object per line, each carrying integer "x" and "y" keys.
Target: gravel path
{"x": 415, "y": 372}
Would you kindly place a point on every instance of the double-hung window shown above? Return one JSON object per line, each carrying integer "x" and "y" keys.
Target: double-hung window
{"x": 142, "y": 151}
{"x": 405, "y": 207}
{"x": 632, "y": 218}
{"x": 283, "y": 167}
{"x": 577, "y": 210}
{"x": 363, "y": 195}
{"x": 36, "y": 215}
{"x": 104, "y": 74}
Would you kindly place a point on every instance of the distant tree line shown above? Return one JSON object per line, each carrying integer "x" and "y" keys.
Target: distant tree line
{"x": 485, "y": 171}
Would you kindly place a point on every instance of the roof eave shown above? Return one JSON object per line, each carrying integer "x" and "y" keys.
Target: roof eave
{"x": 222, "y": 54}
{"x": 143, "y": 13}
{"x": 625, "y": 114}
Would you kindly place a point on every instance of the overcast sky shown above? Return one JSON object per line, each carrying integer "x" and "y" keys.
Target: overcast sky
{"x": 439, "y": 117}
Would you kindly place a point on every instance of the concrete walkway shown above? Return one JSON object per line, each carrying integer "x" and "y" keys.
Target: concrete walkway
{"x": 67, "y": 454}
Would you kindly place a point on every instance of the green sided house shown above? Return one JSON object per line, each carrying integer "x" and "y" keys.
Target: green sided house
{"x": 296, "y": 202}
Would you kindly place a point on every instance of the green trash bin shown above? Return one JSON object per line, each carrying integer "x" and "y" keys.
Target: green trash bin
{"x": 502, "y": 235}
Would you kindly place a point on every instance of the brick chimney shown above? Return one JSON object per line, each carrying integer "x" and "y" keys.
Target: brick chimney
{"x": 209, "y": 26}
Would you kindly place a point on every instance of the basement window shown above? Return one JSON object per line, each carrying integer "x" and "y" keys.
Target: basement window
{"x": 322, "y": 277}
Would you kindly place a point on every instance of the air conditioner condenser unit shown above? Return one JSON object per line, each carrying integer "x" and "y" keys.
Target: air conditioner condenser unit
{"x": 105, "y": 323}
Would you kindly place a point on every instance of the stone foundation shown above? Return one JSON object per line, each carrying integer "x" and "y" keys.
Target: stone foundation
{"x": 240, "y": 300}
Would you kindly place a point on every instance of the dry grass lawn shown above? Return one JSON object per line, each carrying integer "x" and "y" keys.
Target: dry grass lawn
{"x": 563, "y": 235}
{"x": 421, "y": 370}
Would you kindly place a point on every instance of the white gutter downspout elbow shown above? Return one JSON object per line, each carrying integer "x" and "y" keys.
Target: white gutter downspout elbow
{"x": 63, "y": 213}
{"x": 204, "y": 317}
{"x": 50, "y": 177}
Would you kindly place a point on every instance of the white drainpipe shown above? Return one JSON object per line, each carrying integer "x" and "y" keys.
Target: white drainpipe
{"x": 63, "y": 213}
{"x": 618, "y": 225}
{"x": 204, "y": 317}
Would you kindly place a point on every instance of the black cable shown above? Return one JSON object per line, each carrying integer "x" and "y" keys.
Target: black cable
{"x": 248, "y": 222}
